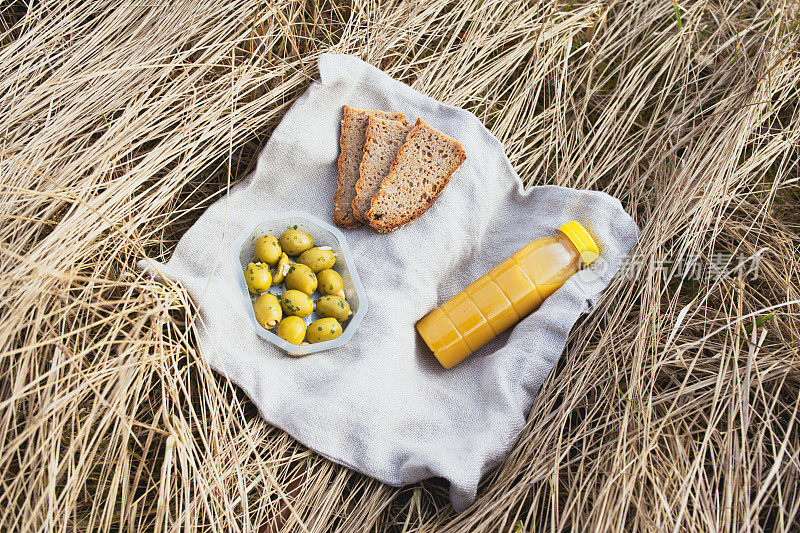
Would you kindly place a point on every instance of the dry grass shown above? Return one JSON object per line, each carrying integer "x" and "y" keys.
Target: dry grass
{"x": 674, "y": 408}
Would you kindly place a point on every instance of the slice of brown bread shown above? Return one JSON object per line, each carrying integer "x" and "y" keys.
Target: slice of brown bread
{"x": 418, "y": 176}
{"x": 354, "y": 126}
{"x": 383, "y": 140}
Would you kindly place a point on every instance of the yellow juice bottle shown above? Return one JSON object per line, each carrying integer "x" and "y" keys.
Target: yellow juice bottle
{"x": 507, "y": 294}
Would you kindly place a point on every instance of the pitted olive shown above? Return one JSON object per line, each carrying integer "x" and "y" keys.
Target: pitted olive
{"x": 330, "y": 282}
{"x": 281, "y": 269}
{"x": 296, "y": 303}
{"x": 267, "y": 249}
{"x": 293, "y": 329}
{"x": 267, "y": 308}
{"x": 324, "y": 329}
{"x": 334, "y": 307}
{"x": 301, "y": 278}
{"x": 294, "y": 242}
{"x": 257, "y": 277}
{"x": 318, "y": 259}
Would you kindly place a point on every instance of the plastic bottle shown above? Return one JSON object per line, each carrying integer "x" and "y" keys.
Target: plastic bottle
{"x": 507, "y": 294}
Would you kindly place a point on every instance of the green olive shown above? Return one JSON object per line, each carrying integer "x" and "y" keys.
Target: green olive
{"x": 323, "y": 329}
{"x": 296, "y": 303}
{"x": 317, "y": 259}
{"x": 281, "y": 269}
{"x": 300, "y": 277}
{"x": 267, "y": 250}
{"x": 268, "y": 310}
{"x": 330, "y": 282}
{"x": 294, "y": 242}
{"x": 257, "y": 277}
{"x": 293, "y": 329}
{"x": 334, "y": 307}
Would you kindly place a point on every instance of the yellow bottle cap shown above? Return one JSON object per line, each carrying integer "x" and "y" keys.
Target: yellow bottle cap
{"x": 582, "y": 241}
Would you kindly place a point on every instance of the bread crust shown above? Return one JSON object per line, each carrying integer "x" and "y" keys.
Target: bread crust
{"x": 382, "y": 227}
{"x": 339, "y": 210}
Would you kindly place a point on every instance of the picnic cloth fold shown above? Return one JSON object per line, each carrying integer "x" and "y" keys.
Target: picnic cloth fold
{"x": 381, "y": 404}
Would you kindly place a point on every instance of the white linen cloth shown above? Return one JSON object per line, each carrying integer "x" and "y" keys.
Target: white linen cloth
{"x": 382, "y": 404}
